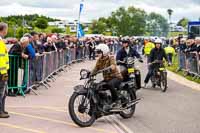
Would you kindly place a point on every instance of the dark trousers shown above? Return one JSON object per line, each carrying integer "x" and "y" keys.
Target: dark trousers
{"x": 92, "y": 54}
{"x": 150, "y": 72}
{"x": 148, "y": 58}
{"x": 2, "y": 95}
{"x": 113, "y": 86}
{"x": 169, "y": 57}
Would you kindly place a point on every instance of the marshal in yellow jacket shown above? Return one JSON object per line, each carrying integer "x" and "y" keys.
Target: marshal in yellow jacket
{"x": 148, "y": 47}
{"x": 169, "y": 50}
{"x": 4, "y": 59}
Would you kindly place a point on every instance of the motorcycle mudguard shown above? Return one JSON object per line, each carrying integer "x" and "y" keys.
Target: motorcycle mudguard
{"x": 80, "y": 89}
{"x": 138, "y": 79}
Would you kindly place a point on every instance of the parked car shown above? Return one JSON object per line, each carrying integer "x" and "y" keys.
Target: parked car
{"x": 11, "y": 40}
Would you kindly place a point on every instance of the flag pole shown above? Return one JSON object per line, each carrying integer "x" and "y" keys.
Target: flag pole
{"x": 79, "y": 17}
{"x": 77, "y": 24}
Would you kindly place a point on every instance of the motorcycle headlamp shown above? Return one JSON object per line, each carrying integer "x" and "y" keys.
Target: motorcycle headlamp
{"x": 130, "y": 60}
{"x": 84, "y": 74}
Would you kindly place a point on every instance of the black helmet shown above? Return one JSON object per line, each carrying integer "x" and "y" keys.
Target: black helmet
{"x": 125, "y": 41}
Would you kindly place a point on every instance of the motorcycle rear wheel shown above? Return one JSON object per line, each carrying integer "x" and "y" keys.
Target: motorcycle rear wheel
{"x": 129, "y": 112}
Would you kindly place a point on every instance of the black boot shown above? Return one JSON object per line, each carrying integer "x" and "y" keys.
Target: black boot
{"x": 4, "y": 115}
{"x": 3, "y": 104}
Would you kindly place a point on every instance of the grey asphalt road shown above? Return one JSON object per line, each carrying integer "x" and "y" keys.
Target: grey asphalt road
{"x": 47, "y": 112}
{"x": 176, "y": 111}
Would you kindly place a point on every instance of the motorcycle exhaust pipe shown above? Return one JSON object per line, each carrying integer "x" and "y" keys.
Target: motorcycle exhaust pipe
{"x": 128, "y": 106}
{"x": 131, "y": 104}
{"x": 122, "y": 109}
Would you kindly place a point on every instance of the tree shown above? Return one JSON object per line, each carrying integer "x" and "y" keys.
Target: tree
{"x": 128, "y": 22}
{"x": 183, "y": 22}
{"x": 10, "y": 32}
{"x": 20, "y": 31}
{"x": 98, "y": 27}
{"x": 41, "y": 23}
{"x": 156, "y": 25}
{"x": 57, "y": 30}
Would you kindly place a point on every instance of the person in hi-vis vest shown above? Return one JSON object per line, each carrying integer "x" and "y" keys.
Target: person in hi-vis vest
{"x": 147, "y": 49}
{"x": 4, "y": 66}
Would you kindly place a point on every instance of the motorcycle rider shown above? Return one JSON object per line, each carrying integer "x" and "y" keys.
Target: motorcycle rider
{"x": 113, "y": 77}
{"x": 156, "y": 54}
{"x": 122, "y": 54}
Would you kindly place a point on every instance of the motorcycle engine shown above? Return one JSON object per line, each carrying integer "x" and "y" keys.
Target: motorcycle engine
{"x": 105, "y": 97}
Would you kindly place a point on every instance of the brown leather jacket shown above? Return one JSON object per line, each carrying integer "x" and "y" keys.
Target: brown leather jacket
{"x": 105, "y": 62}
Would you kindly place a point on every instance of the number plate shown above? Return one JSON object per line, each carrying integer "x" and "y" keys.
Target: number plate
{"x": 161, "y": 69}
{"x": 131, "y": 70}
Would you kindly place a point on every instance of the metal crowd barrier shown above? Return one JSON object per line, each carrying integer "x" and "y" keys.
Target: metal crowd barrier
{"x": 18, "y": 74}
{"x": 190, "y": 63}
{"x": 73, "y": 54}
{"x": 24, "y": 75}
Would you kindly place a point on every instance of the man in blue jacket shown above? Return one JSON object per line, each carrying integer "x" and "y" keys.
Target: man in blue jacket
{"x": 29, "y": 50}
{"x": 125, "y": 52}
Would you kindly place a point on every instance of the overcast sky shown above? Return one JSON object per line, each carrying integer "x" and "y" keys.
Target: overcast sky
{"x": 93, "y": 9}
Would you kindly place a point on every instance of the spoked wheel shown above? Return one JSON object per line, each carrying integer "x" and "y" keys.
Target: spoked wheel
{"x": 153, "y": 81}
{"x": 81, "y": 111}
{"x": 130, "y": 96}
{"x": 163, "y": 84}
{"x": 153, "y": 85}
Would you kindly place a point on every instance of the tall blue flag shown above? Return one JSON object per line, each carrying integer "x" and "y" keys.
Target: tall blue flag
{"x": 80, "y": 31}
{"x": 81, "y": 6}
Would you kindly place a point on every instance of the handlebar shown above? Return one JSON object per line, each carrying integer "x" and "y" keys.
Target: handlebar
{"x": 103, "y": 70}
{"x": 119, "y": 62}
{"x": 157, "y": 61}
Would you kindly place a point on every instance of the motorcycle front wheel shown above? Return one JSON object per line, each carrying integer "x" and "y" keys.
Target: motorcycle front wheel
{"x": 163, "y": 84}
{"x": 80, "y": 110}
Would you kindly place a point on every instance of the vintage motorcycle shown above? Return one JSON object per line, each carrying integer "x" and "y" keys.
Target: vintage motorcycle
{"x": 130, "y": 73}
{"x": 93, "y": 99}
{"x": 159, "y": 77}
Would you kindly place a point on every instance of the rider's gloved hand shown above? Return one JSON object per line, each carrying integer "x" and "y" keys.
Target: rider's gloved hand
{"x": 140, "y": 60}
{"x": 149, "y": 64}
{"x": 89, "y": 73}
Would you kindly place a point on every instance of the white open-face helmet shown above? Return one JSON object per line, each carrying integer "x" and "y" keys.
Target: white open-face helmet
{"x": 103, "y": 48}
{"x": 158, "y": 41}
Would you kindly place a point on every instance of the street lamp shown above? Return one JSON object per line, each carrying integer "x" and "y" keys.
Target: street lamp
{"x": 170, "y": 11}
